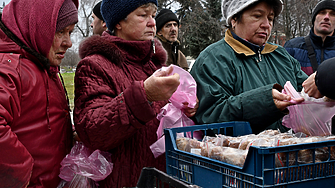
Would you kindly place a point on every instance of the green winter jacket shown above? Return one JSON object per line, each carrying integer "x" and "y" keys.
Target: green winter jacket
{"x": 235, "y": 84}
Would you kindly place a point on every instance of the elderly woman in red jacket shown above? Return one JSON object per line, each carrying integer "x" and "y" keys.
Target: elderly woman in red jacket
{"x": 116, "y": 98}
{"x": 35, "y": 130}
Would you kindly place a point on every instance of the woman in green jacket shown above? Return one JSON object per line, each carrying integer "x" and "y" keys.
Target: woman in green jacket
{"x": 240, "y": 77}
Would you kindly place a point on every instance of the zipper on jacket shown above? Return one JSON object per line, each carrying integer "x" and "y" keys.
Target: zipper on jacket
{"x": 259, "y": 55}
{"x": 153, "y": 46}
{"x": 322, "y": 52}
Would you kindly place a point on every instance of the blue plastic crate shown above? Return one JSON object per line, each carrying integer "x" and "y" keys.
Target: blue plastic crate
{"x": 259, "y": 169}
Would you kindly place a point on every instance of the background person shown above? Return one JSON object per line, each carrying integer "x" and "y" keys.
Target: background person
{"x": 36, "y": 129}
{"x": 321, "y": 38}
{"x": 98, "y": 25}
{"x": 167, "y": 25}
{"x": 116, "y": 98}
{"x": 240, "y": 77}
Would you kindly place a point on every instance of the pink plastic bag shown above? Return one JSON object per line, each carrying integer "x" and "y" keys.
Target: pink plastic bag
{"x": 312, "y": 117}
{"x": 82, "y": 168}
{"x": 171, "y": 114}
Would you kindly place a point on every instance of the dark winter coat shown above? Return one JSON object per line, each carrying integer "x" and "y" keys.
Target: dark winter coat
{"x": 111, "y": 109}
{"x": 175, "y": 56}
{"x": 323, "y": 50}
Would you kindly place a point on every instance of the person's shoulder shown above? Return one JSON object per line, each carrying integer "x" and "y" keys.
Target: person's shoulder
{"x": 181, "y": 53}
{"x": 100, "y": 46}
{"x": 294, "y": 42}
{"x": 16, "y": 65}
{"x": 281, "y": 52}
{"x": 93, "y": 60}
{"x": 219, "y": 51}
{"x": 216, "y": 47}
{"x": 11, "y": 59}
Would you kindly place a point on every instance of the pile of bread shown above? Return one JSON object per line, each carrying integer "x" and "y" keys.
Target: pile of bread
{"x": 234, "y": 150}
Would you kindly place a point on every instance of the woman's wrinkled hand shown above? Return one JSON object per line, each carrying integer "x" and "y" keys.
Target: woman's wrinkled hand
{"x": 160, "y": 87}
{"x": 282, "y": 101}
{"x": 190, "y": 112}
{"x": 310, "y": 88}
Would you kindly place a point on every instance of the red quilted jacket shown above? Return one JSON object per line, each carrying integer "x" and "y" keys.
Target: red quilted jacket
{"x": 111, "y": 110}
{"x": 35, "y": 125}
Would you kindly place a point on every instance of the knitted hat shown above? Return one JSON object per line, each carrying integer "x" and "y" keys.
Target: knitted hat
{"x": 231, "y": 7}
{"x": 113, "y": 11}
{"x": 324, "y": 78}
{"x": 96, "y": 10}
{"x": 164, "y": 16}
{"x": 67, "y": 15}
{"x": 325, "y": 4}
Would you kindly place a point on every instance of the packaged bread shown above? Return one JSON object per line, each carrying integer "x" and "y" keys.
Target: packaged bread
{"x": 216, "y": 152}
{"x": 209, "y": 139}
{"x": 269, "y": 132}
{"x": 234, "y": 142}
{"x": 245, "y": 142}
{"x": 222, "y": 140}
{"x": 206, "y": 148}
{"x": 233, "y": 150}
{"x": 186, "y": 144}
{"x": 332, "y": 148}
{"x": 228, "y": 155}
{"x": 182, "y": 143}
{"x": 285, "y": 158}
{"x": 235, "y": 156}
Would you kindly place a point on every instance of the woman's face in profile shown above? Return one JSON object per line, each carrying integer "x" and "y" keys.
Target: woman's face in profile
{"x": 256, "y": 24}
{"x": 139, "y": 25}
{"x": 61, "y": 42}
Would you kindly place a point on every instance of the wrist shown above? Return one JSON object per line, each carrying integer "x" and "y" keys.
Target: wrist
{"x": 149, "y": 99}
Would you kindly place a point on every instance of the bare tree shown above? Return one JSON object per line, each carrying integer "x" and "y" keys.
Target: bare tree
{"x": 85, "y": 12}
{"x": 296, "y": 17}
{"x": 83, "y": 28}
{"x": 165, "y": 4}
{"x": 81, "y": 31}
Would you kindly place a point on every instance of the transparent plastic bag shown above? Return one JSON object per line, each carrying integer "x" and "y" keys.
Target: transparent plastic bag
{"x": 312, "y": 117}
{"x": 78, "y": 181}
{"x": 172, "y": 115}
{"x": 83, "y": 168}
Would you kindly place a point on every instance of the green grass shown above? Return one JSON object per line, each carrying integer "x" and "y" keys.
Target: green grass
{"x": 69, "y": 85}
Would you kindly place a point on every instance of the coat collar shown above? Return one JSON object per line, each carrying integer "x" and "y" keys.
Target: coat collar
{"x": 317, "y": 40}
{"x": 240, "y": 48}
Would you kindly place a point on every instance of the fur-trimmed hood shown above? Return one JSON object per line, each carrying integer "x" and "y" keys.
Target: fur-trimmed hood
{"x": 118, "y": 50}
